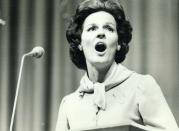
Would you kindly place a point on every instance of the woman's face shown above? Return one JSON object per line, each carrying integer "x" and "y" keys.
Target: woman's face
{"x": 99, "y": 39}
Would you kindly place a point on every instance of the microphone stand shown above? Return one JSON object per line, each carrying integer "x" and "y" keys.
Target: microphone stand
{"x": 17, "y": 90}
{"x": 36, "y": 52}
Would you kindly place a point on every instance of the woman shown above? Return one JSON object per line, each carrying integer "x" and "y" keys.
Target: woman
{"x": 109, "y": 94}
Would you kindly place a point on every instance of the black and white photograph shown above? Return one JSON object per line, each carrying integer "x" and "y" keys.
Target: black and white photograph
{"x": 89, "y": 65}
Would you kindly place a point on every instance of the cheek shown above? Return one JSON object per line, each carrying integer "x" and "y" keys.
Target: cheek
{"x": 114, "y": 41}
{"x": 115, "y": 38}
{"x": 85, "y": 40}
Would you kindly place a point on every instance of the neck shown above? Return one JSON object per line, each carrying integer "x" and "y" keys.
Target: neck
{"x": 97, "y": 74}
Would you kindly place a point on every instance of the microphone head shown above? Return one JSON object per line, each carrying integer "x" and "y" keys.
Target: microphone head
{"x": 2, "y": 22}
{"x": 37, "y": 52}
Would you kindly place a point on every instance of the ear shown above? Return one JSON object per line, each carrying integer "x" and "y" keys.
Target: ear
{"x": 118, "y": 47}
{"x": 80, "y": 47}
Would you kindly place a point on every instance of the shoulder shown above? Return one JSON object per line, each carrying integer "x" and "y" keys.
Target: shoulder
{"x": 148, "y": 83}
{"x": 149, "y": 92}
{"x": 70, "y": 98}
{"x": 148, "y": 87}
{"x": 144, "y": 83}
{"x": 141, "y": 81}
{"x": 143, "y": 78}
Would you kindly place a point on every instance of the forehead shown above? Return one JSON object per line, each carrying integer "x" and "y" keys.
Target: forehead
{"x": 100, "y": 17}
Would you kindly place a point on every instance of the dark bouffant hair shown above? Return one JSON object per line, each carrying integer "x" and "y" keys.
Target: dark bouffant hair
{"x": 74, "y": 30}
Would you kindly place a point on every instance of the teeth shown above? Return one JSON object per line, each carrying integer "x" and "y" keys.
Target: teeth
{"x": 100, "y": 47}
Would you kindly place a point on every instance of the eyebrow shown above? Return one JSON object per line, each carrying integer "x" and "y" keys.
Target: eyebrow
{"x": 108, "y": 23}
{"x": 93, "y": 24}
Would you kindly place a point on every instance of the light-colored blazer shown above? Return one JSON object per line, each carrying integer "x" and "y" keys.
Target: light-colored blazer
{"x": 138, "y": 100}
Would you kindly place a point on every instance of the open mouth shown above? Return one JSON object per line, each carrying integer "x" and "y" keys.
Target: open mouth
{"x": 100, "y": 47}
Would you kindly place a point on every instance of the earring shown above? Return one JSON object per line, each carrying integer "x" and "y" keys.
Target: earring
{"x": 80, "y": 47}
{"x": 118, "y": 48}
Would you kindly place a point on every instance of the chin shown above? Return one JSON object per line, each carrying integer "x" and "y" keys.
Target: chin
{"x": 102, "y": 63}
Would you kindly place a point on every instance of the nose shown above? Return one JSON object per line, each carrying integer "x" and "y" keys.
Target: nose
{"x": 101, "y": 36}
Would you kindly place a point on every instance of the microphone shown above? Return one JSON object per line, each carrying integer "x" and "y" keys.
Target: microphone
{"x": 36, "y": 52}
{"x": 2, "y": 22}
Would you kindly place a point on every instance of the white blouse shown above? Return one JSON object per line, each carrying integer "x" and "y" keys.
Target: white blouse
{"x": 136, "y": 99}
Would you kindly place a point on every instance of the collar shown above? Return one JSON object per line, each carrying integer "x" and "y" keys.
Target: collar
{"x": 116, "y": 75}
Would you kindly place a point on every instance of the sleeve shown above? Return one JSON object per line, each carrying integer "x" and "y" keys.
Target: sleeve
{"x": 153, "y": 107}
{"x": 62, "y": 121}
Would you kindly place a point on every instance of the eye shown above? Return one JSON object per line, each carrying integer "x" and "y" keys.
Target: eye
{"x": 108, "y": 27}
{"x": 92, "y": 28}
